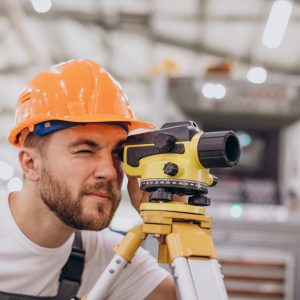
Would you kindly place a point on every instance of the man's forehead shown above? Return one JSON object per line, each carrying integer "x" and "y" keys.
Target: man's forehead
{"x": 96, "y": 127}
{"x": 112, "y": 132}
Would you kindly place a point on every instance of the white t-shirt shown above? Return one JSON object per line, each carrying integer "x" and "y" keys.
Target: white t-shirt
{"x": 26, "y": 268}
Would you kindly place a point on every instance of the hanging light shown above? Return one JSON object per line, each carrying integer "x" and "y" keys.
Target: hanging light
{"x": 236, "y": 211}
{"x": 213, "y": 91}
{"x": 41, "y": 6}
{"x": 257, "y": 75}
{"x": 208, "y": 90}
{"x": 277, "y": 23}
{"x": 220, "y": 91}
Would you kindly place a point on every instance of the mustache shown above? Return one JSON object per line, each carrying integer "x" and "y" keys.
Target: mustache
{"x": 100, "y": 186}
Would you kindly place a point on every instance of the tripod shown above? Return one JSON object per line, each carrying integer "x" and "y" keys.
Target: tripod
{"x": 183, "y": 232}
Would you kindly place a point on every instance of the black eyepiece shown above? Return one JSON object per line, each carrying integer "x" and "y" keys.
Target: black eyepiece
{"x": 219, "y": 149}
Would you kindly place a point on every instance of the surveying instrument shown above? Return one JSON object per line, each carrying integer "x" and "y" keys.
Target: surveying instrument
{"x": 175, "y": 160}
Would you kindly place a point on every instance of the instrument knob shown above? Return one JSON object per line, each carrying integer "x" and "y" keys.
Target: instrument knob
{"x": 171, "y": 169}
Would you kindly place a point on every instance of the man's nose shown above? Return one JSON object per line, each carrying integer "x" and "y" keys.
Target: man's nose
{"x": 105, "y": 168}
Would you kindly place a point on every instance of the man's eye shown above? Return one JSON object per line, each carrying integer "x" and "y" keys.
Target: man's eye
{"x": 118, "y": 154}
{"x": 83, "y": 151}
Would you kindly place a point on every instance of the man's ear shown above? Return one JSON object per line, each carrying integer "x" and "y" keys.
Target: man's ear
{"x": 30, "y": 161}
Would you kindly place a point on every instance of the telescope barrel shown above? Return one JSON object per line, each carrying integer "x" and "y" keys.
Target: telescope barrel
{"x": 218, "y": 149}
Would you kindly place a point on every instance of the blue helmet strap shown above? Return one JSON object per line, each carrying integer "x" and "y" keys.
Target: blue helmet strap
{"x": 47, "y": 127}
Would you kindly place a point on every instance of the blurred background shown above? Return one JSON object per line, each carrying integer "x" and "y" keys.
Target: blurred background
{"x": 225, "y": 64}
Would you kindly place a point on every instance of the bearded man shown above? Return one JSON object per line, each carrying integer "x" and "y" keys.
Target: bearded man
{"x": 71, "y": 123}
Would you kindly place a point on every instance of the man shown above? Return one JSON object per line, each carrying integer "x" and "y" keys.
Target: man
{"x": 71, "y": 123}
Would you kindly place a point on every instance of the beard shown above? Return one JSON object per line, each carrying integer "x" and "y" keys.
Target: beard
{"x": 58, "y": 198}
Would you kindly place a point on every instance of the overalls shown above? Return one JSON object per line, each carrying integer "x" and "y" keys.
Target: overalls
{"x": 70, "y": 277}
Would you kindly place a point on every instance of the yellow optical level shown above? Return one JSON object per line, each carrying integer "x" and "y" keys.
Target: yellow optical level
{"x": 176, "y": 160}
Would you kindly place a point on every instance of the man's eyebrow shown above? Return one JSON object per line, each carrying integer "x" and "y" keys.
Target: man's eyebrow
{"x": 92, "y": 144}
{"x": 89, "y": 143}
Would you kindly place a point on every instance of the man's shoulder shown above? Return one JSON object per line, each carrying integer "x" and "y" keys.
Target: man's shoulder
{"x": 100, "y": 244}
{"x": 105, "y": 234}
{"x": 105, "y": 240}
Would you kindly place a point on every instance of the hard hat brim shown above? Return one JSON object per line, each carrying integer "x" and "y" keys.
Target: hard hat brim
{"x": 133, "y": 124}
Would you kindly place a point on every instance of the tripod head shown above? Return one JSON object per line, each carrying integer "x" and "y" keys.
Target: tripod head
{"x": 176, "y": 159}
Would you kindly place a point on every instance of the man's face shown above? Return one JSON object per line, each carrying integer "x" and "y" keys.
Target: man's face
{"x": 81, "y": 176}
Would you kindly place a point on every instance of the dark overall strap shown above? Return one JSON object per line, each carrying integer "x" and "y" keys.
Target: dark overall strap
{"x": 11, "y": 296}
{"x": 70, "y": 277}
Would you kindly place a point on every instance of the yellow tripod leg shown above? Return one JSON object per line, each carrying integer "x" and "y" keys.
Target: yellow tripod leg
{"x": 193, "y": 261}
{"x": 124, "y": 254}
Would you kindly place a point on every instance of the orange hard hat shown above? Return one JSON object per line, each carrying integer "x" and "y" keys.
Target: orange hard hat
{"x": 74, "y": 91}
